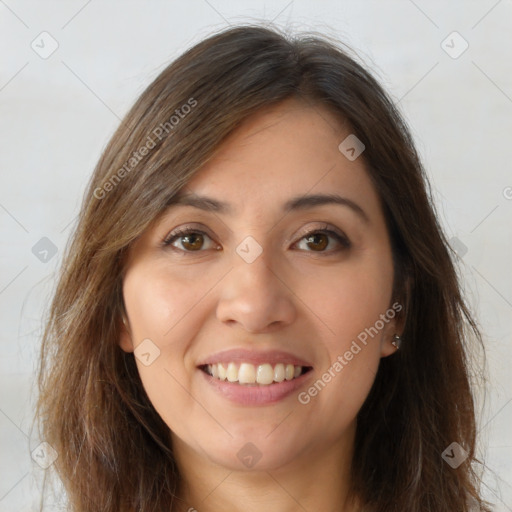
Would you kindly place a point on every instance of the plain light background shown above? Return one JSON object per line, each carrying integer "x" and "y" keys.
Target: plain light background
{"x": 58, "y": 111}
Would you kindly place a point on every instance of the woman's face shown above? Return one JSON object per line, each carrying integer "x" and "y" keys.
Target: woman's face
{"x": 261, "y": 305}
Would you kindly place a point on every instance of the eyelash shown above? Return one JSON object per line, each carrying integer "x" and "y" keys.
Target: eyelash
{"x": 342, "y": 240}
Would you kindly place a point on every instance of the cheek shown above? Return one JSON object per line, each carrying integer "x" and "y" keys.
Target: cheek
{"x": 162, "y": 307}
{"x": 350, "y": 302}
{"x": 332, "y": 401}
{"x": 158, "y": 301}
{"x": 352, "y": 298}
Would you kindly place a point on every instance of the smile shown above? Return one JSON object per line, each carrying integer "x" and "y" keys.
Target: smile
{"x": 254, "y": 374}
{"x": 255, "y": 377}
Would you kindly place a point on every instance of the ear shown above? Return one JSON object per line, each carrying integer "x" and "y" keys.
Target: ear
{"x": 125, "y": 336}
{"x": 394, "y": 326}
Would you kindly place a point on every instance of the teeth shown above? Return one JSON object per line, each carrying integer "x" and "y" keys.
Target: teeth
{"x": 265, "y": 374}
{"x": 279, "y": 372}
{"x": 221, "y": 371}
{"x": 232, "y": 373}
{"x": 247, "y": 373}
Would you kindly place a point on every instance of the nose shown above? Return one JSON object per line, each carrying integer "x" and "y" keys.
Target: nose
{"x": 256, "y": 297}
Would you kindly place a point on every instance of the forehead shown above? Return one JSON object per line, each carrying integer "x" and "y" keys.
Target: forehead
{"x": 284, "y": 151}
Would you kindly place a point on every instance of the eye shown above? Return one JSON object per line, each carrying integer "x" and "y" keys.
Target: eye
{"x": 189, "y": 240}
{"x": 319, "y": 240}
{"x": 196, "y": 240}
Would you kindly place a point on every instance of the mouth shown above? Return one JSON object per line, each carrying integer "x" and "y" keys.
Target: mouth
{"x": 248, "y": 374}
{"x": 255, "y": 377}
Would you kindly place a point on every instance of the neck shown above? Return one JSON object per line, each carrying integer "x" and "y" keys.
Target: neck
{"x": 318, "y": 479}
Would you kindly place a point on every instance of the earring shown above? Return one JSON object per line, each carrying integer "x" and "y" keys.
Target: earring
{"x": 397, "y": 341}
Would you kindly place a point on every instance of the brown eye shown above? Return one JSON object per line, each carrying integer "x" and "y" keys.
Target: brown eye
{"x": 192, "y": 242}
{"x": 324, "y": 241}
{"x": 317, "y": 241}
{"x": 189, "y": 240}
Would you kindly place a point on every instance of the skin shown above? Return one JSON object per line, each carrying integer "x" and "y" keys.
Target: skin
{"x": 299, "y": 295}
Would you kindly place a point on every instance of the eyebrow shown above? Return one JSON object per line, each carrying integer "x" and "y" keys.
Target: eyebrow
{"x": 297, "y": 203}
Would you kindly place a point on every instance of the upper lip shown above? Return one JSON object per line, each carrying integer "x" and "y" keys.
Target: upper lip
{"x": 255, "y": 357}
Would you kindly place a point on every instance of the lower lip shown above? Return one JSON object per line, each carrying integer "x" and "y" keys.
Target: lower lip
{"x": 244, "y": 394}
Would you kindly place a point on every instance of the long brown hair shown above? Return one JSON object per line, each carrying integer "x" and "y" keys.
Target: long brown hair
{"x": 114, "y": 449}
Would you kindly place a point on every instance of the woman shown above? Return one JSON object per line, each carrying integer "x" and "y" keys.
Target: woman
{"x": 258, "y": 307}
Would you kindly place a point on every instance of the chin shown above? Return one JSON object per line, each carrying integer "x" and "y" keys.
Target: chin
{"x": 255, "y": 452}
{"x": 252, "y": 457}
